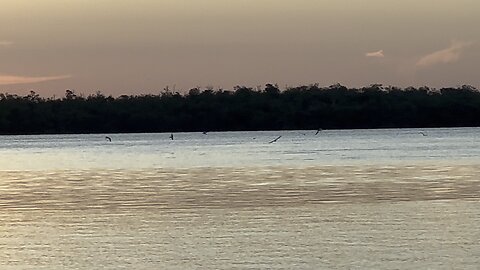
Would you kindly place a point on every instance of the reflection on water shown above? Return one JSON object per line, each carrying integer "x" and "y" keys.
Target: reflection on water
{"x": 233, "y": 188}
{"x": 342, "y": 199}
{"x": 275, "y": 217}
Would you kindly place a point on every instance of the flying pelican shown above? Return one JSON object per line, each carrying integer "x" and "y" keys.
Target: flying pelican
{"x": 205, "y": 132}
{"x": 276, "y": 139}
{"x": 108, "y": 138}
{"x": 171, "y": 136}
{"x": 423, "y": 133}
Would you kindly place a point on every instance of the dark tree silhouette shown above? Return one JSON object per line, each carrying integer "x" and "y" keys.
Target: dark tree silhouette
{"x": 244, "y": 108}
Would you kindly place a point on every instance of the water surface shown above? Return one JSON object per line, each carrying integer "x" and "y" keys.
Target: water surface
{"x": 337, "y": 200}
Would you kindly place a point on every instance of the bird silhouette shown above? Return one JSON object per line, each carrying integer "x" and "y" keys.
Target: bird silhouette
{"x": 171, "y": 136}
{"x": 108, "y": 138}
{"x": 276, "y": 139}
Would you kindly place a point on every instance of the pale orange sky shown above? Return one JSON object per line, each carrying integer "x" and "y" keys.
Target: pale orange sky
{"x": 134, "y": 47}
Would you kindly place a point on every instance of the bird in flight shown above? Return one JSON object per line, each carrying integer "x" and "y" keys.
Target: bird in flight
{"x": 318, "y": 131}
{"x": 423, "y": 133}
{"x": 276, "y": 139}
{"x": 108, "y": 138}
{"x": 171, "y": 136}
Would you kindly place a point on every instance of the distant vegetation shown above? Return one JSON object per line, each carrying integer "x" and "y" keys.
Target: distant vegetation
{"x": 243, "y": 108}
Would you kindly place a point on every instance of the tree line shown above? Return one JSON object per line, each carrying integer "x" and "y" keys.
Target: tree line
{"x": 243, "y": 108}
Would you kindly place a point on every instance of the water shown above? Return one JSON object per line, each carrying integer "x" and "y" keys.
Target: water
{"x": 351, "y": 199}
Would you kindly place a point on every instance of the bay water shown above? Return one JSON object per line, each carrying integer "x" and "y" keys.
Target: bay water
{"x": 339, "y": 199}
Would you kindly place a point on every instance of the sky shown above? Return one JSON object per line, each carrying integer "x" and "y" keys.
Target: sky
{"x": 142, "y": 46}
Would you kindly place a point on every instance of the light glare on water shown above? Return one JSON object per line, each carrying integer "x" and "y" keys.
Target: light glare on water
{"x": 339, "y": 200}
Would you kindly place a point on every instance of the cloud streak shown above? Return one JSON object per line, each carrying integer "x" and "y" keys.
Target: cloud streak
{"x": 449, "y": 55}
{"x": 377, "y": 54}
{"x": 11, "y": 79}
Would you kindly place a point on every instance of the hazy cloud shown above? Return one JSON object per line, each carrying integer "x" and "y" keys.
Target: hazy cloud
{"x": 445, "y": 56}
{"x": 10, "y": 79}
{"x": 375, "y": 54}
{"x": 5, "y": 43}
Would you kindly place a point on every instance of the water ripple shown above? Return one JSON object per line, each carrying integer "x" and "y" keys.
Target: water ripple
{"x": 235, "y": 187}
